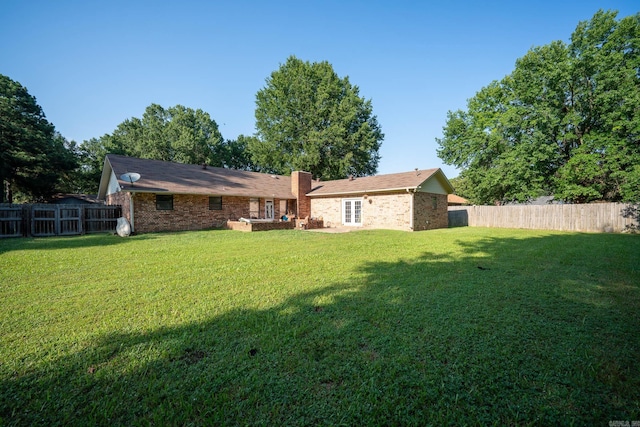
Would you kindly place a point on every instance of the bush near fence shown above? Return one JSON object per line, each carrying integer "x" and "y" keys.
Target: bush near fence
{"x": 42, "y": 220}
{"x": 594, "y": 217}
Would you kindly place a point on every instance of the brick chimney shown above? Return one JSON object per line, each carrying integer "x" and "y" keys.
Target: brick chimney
{"x": 300, "y": 186}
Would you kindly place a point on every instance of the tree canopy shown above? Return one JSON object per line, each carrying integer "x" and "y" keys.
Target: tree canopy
{"x": 177, "y": 134}
{"x": 565, "y": 122}
{"x": 236, "y": 155}
{"x": 34, "y": 158}
{"x": 308, "y": 118}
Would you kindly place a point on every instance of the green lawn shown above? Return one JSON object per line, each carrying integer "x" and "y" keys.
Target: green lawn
{"x": 291, "y": 327}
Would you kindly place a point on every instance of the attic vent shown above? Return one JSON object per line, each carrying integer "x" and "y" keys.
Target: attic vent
{"x": 204, "y": 166}
{"x": 417, "y": 173}
{"x": 274, "y": 177}
{"x": 350, "y": 177}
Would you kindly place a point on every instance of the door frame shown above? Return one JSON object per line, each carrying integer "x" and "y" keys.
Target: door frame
{"x": 352, "y": 201}
{"x": 269, "y": 213}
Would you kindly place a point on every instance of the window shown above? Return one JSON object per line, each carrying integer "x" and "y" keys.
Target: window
{"x": 254, "y": 208}
{"x": 164, "y": 202}
{"x": 215, "y": 203}
{"x": 434, "y": 202}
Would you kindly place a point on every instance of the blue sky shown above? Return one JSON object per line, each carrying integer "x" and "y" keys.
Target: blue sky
{"x": 91, "y": 65}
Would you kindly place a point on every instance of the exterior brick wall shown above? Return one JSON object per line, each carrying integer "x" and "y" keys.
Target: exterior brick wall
{"x": 430, "y": 211}
{"x": 329, "y": 209}
{"x": 122, "y": 198}
{"x": 300, "y": 186}
{"x": 298, "y": 224}
{"x": 190, "y": 212}
{"x": 387, "y": 210}
{"x": 260, "y": 226}
{"x": 260, "y": 213}
{"x": 308, "y": 224}
{"x": 379, "y": 210}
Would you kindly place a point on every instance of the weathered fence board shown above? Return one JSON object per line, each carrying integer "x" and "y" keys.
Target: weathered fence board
{"x": 458, "y": 218}
{"x": 101, "y": 218}
{"x": 57, "y": 220}
{"x": 71, "y": 220}
{"x": 44, "y": 221}
{"x": 11, "y": 222}
{"x": 595, "y": 217}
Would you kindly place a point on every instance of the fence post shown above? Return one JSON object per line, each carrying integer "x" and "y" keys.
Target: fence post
{"x": 81, "y": 219}
{"x": 26, "y": 220}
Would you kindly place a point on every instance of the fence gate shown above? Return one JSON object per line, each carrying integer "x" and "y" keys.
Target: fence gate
{"x": 56, "y": 220}
{"x": 101, "y": 218}
{"x": 43, "y": 221}
{"x": 70, "y": 220}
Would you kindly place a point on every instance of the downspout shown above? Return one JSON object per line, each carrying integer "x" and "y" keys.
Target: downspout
{"x": 131, "y": 211}
{"x": 412, "y": 195}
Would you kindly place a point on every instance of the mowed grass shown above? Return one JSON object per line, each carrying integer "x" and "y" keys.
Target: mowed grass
{"x": 464, "y": 326}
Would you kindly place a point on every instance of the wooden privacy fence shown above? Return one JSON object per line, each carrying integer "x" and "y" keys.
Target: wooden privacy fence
{"x": 57, "y": 220}
{"x": 594, "y": 217}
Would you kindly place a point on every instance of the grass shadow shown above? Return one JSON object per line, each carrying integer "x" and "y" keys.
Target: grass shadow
{"x": 511, "y": 332}
{"x": 65, "y": 242}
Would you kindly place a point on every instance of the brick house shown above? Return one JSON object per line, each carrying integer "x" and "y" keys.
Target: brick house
{"x": 407, "y": 201}
{"x": 174, "y": 197}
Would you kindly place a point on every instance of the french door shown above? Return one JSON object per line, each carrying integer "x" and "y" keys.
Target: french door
{"x": 352, "y": 211}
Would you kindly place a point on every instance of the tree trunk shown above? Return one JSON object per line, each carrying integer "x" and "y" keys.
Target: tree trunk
{"x": 7, "y": 192}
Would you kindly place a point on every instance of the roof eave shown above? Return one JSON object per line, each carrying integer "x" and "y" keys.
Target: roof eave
{"x": 107, "y": 170}
{"x": 380, "y": 190}
{"x": 134, "y": 190}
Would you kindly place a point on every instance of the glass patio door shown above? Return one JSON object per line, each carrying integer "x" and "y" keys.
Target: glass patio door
{"x": 352, "y": 212}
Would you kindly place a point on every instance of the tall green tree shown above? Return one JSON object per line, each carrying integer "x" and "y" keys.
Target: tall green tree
{"x": 33, "y": 156}
{"x": 605, "y": 54}
{"x": 236, "y": 155}
{"x": 308, "y": 118}
{"x": 91, "y": 154}
{"x": 177, "y": 134}
{"x": 565, "y": 122}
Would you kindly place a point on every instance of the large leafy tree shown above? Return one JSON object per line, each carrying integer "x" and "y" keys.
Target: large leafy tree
{"x": 236, "y": 155}
{"x": 308, "y": 118}
{"x": 91, "y": 154}
{"x": 177, "y": 134}
{"x": 33, "y": 157}
{"x": 565, "y": 122}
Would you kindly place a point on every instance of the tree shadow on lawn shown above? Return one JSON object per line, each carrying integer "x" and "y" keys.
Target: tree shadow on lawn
{"x": 538, "y": 335}
{"x": 66, "y": 242}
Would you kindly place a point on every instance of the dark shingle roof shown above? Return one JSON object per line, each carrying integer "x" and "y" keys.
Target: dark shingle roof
{"x": 168, "y": 177}
{"x": 158, "y": 176}
{"x": 395, "y": 181}
{"x": 454, "y": 198}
